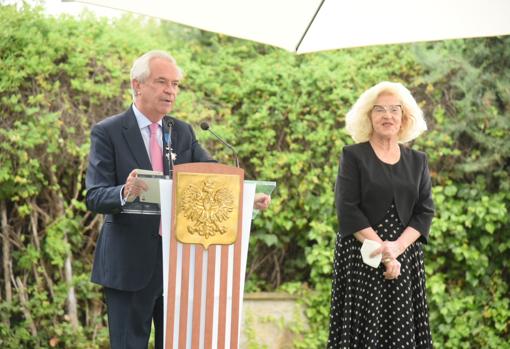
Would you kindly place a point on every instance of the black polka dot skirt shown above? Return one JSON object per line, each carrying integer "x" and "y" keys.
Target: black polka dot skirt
{"x": 370, "y": 312}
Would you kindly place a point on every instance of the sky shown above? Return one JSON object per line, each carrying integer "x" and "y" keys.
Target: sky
{"x": 57, "y": 7}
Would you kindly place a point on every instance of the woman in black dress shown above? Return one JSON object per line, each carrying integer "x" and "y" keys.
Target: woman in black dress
{"x": 383, "y": 193}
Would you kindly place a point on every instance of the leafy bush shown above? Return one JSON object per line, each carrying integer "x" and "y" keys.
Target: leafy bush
{"x": 285, "y": 115}
{"x": 58, "y": 77}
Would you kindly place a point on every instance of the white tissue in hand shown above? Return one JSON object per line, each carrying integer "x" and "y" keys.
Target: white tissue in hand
{"x": 367, "y": 248}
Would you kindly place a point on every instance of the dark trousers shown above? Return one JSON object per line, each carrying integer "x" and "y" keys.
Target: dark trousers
{"x": 130, "y": 314}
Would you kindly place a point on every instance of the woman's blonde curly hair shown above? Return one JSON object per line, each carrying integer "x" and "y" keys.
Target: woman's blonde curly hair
{"x": 359, "y": 125}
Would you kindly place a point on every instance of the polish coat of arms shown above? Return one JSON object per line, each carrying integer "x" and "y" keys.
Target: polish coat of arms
{"x": 207, "y": 210}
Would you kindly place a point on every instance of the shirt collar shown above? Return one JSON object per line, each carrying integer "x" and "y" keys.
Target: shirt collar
{"x": 141, "y": 119}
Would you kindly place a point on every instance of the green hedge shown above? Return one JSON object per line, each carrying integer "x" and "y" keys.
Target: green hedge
{"x": 285, "y": 114}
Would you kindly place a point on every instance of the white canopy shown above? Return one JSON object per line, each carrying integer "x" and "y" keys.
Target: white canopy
{"x": 314, "y": 25}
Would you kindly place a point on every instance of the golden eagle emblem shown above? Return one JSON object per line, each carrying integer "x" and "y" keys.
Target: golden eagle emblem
{"x": 207, "y": 207}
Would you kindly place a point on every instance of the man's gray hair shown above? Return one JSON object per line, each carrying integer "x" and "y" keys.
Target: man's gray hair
{"x": 141, "y": 70}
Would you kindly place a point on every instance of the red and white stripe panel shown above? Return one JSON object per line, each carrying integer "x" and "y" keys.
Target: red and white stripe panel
{"x": 203, "y": 289}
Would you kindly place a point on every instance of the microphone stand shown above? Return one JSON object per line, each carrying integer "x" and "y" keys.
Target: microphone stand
{"x": 205, "y": 126}
{"x": 168, "y": 123}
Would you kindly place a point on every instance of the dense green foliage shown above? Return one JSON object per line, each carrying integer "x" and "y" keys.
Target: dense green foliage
{"x": 284, "y": 113}
{"x": 468, "y": 262}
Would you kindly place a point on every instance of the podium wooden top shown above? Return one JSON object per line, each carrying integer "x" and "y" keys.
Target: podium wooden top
{"x": 209, "y": 167}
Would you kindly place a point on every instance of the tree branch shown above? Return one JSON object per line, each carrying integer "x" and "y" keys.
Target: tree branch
{"x": 23, "y": 298}
{"x": 37, "y": 243}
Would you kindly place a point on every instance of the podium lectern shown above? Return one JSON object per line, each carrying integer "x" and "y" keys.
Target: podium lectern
{"x": 204, "y": 282}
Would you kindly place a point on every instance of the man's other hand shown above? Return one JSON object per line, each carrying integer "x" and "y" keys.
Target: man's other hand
{"x": 261, "y": 201}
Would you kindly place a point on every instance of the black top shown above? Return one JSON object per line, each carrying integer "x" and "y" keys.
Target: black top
{"x": 366, "y": 187}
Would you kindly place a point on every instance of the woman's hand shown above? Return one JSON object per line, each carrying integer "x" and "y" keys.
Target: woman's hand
{"x": 392, "y": 269}
{"x": 389, "y": 250}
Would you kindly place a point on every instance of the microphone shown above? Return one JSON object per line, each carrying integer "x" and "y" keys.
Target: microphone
{"x": 168, "y": 123}
{"x": 204, "y": 125}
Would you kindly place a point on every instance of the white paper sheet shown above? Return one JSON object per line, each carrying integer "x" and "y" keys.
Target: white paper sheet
{"x": 367, "y": 248}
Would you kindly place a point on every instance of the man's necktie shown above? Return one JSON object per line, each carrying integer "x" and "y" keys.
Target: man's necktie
{"x": 155, "y": 150}
{"x": 156, "y": 153}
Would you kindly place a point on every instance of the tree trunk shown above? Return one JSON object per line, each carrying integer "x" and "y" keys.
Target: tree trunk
{"x": 6, "y": 257}
{"x": 72, "y": 307}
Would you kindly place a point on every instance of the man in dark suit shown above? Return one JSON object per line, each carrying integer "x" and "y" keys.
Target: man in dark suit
{"x": 128, "y": 256}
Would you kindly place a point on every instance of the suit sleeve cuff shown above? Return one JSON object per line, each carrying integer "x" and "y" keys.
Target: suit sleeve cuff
{"x": 122, "y": 200}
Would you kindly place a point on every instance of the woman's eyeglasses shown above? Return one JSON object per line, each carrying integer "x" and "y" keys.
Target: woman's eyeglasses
{"x": 391, "y": 109}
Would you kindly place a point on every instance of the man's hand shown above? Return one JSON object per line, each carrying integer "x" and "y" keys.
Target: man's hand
{"x": 134, "y": 187}
{"x": 261, "y": 201}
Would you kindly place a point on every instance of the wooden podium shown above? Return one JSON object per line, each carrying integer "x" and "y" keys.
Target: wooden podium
{"x": 204, "y": 281}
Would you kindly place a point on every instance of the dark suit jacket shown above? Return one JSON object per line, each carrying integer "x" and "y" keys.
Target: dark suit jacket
{"x": 366, "y": 187}
{"x": 126, "y": 251}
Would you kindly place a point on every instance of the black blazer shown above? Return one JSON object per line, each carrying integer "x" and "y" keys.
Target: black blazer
{"x": 126, "y": 251}
{"x": 366, "y": 186}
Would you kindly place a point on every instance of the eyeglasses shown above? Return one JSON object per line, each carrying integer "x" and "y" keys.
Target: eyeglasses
{"x": 394, "y": 110}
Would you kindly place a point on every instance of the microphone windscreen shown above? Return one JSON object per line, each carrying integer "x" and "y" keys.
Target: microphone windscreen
{"x": 168, "y": 122}
{"x": 204, "y": 125}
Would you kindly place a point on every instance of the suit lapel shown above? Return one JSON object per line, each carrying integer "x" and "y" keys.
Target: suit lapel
{"x": 134, "y": 141}
{"x": 166, "y": 170}
{"x": 173, "y": 141}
